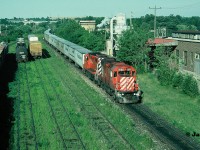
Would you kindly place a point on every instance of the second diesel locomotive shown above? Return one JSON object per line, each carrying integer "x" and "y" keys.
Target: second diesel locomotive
{"x": 21, "y": 51}
{"x": 117, "y": 78}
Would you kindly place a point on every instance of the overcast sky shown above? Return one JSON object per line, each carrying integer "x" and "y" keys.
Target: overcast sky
{"x": 103, "y": 8}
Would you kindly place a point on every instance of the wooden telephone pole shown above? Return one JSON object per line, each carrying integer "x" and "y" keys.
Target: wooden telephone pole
{"x": 131, "y": 23}
{"x": 155, "y": 8}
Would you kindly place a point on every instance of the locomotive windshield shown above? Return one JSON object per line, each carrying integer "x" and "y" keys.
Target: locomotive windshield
{"x": 124, "y": 73}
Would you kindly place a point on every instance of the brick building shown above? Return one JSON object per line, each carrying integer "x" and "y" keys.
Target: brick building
{"x": 188, "y": 51}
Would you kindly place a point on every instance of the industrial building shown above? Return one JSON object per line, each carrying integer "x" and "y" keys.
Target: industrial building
{"x": 89, "y": 25}
{"x": 188, "y": 51}
{"x": 117, "y": 26}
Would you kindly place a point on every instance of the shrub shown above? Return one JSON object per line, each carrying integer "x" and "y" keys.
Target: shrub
{"x": 190, "y": 86}
{"x": 185, "y": 85}
{"x": 177, "y": 80}
{"x": 140, "y": 68}
{"x": 165, "y": 76}
{"x": 193, "y": 88}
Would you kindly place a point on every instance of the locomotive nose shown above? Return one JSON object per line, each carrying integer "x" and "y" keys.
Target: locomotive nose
{"x": 126, "y": 84}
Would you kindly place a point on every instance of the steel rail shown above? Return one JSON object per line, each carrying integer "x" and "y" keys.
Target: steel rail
{"x": 31, "y": 109}
{"x": 164, "y": 129}
{"x": 64, "y": 109}
{"x": 51, "y": 108}
{"x": 18, "y": 115}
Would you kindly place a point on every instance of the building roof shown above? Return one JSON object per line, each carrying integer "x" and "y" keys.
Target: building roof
{"x": 187, "y": 32}
{"x": 162, "y": 42}
{"x": 186, "y": 46}
{"x": 90, "y": 21}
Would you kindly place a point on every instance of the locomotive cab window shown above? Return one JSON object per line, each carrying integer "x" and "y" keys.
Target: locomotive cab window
{"x": 115, "y": 74}
{"x": 124, "y": 73}
{"x": 86, "y": 58}
{"x": 133, "y": 73}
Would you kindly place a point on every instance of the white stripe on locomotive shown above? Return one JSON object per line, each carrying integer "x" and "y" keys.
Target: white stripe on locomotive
{"x": 99, "y": 66}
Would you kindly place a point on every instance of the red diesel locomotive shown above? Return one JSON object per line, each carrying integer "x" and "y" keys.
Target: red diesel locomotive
{"x": 117, "y": 78}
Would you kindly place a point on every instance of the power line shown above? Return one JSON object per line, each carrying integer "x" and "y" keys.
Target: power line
{"x": 155, "y": 8}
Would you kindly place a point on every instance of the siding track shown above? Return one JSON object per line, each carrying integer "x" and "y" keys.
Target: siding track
{"x": 33, "y": 128}
{"x": 67, "y": 131}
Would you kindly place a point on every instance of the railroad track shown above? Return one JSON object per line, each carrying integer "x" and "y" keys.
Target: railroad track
{"x": 31, "y": 112}
{"x": 93, "y": 113}
{"x": 24, "y": 118}
{"x": 166, "y": 133}
{"x": 18, "y": 115}
{"x": 74, "y": 142}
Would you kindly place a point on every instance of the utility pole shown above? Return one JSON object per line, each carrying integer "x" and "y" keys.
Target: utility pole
{"x": 6, "y": 29}
{"x": 131, "y": 24}
{"x": 155, "y": 8}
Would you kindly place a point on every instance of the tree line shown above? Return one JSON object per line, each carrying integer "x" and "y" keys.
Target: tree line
{"x": 171, "y": 22}
{"x": 73, "y": 32}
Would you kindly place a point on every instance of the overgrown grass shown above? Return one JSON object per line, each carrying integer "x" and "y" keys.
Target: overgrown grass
{"x": 122, "y": 122}
{"x": 178, "y": 108}
{"x": 47, "y": 135}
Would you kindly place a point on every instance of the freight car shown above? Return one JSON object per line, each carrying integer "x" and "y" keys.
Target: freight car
{"x": 3, "y": 52}
{"x": 21, "y": 51}
{"x": 117, "y": 78}
{"x": 34, "y": 46}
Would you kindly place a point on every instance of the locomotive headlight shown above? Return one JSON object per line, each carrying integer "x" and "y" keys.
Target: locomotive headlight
{"x": 118, "y": 94}
{"x": 122, "y": 93}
